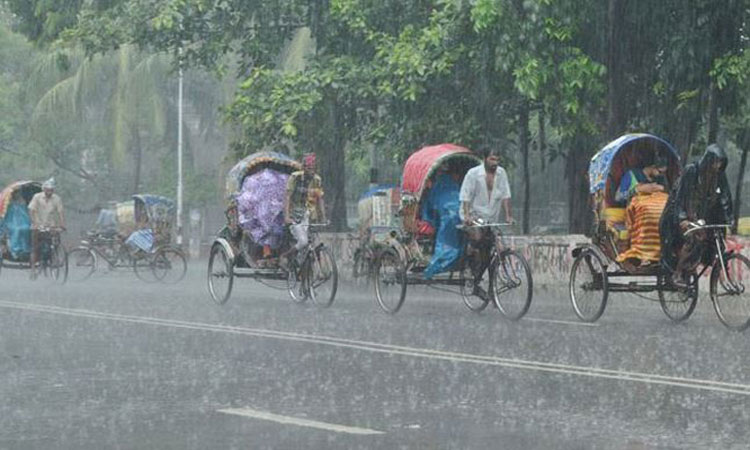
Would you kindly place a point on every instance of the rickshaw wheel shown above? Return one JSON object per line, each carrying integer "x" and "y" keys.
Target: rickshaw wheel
{"x": 81, "y": 264}
{"x": 324, "y": 280}
{"x": 143, "y": 268}
{"x": 169, "y": 265}
{"x": 473, "y": 302}
{"x": 678, "y": 304}
{"x": 220, "y": 275}
{"x": 589, "y": 286}
{"x": 511, "y": 284}
{"x": 298, "y": 283}
{"x": 362, "y": 264}
{"x": 390, "y": 281}
{"x": 730, "y": 293}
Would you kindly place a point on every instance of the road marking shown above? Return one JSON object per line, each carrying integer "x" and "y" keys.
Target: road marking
{"x": 564, "y": 322}
{"x": 288, "y": 420}
{"x": 375, "y": 347}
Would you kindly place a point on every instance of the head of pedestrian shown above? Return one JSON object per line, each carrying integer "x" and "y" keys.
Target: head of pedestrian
{"x": 491, "y": 157}
{"x": 309, "y": 163}
{"x": 49, "y": 187}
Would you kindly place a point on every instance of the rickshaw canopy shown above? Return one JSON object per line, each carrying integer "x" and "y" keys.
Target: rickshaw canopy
{"x": 624, "y": 153}
{"x": 156, "y": 207}
{"x": 424, "y": 162}
{"x": 252, "y": 163}
{"x": 26, "y": 188}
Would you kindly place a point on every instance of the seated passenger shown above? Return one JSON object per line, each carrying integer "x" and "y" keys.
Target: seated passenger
{"x": 17, "y": 226}
{"x": 644, "y": 191}
{"x": 143, "y": 237}
{"x": 441, "y": 209}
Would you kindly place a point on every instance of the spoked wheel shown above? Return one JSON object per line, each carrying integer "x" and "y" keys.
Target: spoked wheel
{"x": 297, "y": 282}
{"x": 325, "y": 277}
{"x": 362, "y": 270}
{"x": 142, "y": 266}
{"x": 169, "y": 265}
{"x": 220, "y": 275}
{"x": 390, "y": 281}
{"x": 474, "y": 302}
{"x": 81, "y": 264}
{"x": 678, "y": 303}
{"x": 57, "y": 265}
{"x": 730, "y": 292}
{"x": 589, "y": 287}
{"x": 511, "y": 284}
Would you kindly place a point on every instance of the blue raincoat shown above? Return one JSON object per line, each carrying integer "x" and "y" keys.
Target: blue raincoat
{"x": 440, "y": 209}
{"x": 17, "y": 226}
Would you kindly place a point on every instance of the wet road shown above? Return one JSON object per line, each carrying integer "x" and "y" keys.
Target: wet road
{"x": 116, "y": 363}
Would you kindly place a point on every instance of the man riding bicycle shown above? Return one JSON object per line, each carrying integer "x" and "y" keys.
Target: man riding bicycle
{"x": 484, "y": 190}
{"x": 703, "y": 193}
{"x": 46, "y": 211}
{"x": 303, "y": 203}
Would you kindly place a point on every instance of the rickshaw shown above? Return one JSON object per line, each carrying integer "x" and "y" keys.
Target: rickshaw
{"x": 255, "y": 236}
{"x": 407, "y": 253}
{"x": 596, "y": 272}
{"x": 140, "y": 238}
{"x": 376, "y": 211}
{"x": 15, "y": 234}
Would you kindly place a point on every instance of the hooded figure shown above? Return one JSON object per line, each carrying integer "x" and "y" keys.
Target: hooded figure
{"x": 702, "y": 193}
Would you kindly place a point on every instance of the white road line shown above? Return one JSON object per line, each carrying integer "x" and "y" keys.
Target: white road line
{"x": 563, "y": 322}
{"x": 288, "y": 420}
{"x": 375, "y": 347}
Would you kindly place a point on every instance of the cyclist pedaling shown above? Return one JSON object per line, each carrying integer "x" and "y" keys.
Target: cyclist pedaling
{"x": 303, "y": 204}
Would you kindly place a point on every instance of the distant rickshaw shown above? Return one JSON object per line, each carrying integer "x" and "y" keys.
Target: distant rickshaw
{"x": 254, "y": 237}
{"x": 601, "y": 267}
{"x": 137, "y": 235}
{"x": 15, "y": 234}
{"x": 411, "y": 250}
{"x": 376, "y": 211}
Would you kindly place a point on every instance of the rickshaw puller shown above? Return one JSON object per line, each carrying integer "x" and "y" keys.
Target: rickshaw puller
{"x": 484, "y": 191}
{"x": 303, "y": 203}
{"x": 703, "y": 193}
{"x": 46, "y": 211}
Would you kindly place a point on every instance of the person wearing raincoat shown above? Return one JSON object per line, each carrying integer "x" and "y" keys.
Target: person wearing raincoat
{"x": 17, "y": 226}
{"x": 703, "y": 193}
{"x": 441, "y": 210}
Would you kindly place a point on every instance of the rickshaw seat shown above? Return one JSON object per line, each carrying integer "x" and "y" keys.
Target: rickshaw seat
{"x": 615, "y": 221}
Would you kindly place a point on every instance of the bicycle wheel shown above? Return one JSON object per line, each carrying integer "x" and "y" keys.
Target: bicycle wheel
{"x": 511, "y": 284}
{"x": 678, "y": 303}
{"x": 589, "y": 287}
{"x": 220, "y": 275}
{"x": 362, "y": 269}
{"x": 325, "y": 277}
{"x": 473, "y": 302}
{"x": 169, "y": 265}
{"x": 142, "y": 266}
{"x": 81, "y": 264}
{"x": 729, "y": 292}
{"x": 297, "y": 282}
{"x": 57, "y": 264}
{"x": 390, "y": 281}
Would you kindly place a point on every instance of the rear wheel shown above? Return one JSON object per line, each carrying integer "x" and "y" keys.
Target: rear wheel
{"x": 325, "y": 277}
{"x": 589, "y": 287}
{"x": 474, "y": 302}
{"x": 81, "y": 264}
{"x": 220, "y": 275}
{"x": 297, "y": 282}
{"x": 143, "y": 267}
{"x": 729, "y": 292}
{"x": 511, "y": 284}
{"x": 169, "y": 265}
{"x": 390, "y": 281}
{"x": 678, "y": 303}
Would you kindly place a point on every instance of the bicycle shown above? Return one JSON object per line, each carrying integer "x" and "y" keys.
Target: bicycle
{"x": 311, "y": 270}
{"x": 53, "y": 260}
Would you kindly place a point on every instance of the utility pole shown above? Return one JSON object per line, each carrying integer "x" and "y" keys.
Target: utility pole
{"x": 179, "y": 158}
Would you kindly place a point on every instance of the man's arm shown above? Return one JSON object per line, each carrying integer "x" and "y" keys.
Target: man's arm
{"x": 466, "y": 197}
{"x": 508, "y": 212}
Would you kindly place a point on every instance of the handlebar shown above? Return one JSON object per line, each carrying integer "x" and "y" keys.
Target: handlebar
{"x": 50, "y": 229}
{"x": 701, "y": 225}
{"x": 484, "y": 225}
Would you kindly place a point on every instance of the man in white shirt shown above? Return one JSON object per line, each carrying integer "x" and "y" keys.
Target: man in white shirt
{"x": 46, "y": 211}
{"x": 484, "y": 191}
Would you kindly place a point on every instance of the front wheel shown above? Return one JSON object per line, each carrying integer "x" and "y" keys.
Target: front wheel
{"x": 678, "y": 303}
{"x": 589, "y": 286}
{"x": 169, "y": 265}
{"x": 325, "y": 277}
{"x": 729, "y": 291}
{"x": 143, "y": 267}
{"x": 81, "y": 264}
{"x": 511, "y": 284}
{"x": 58, "y": 264}
{"x": 390, "y": 281}
{"x": 476, "y": 303}
{"x": 297, "y": 281}
{"x": 220, "y": 275}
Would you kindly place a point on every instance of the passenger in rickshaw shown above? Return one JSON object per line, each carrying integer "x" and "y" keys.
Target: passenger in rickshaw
{"x": 143, "y": 236}
{"x": 303, "y": 203}
{"x": 703, "y": 193}
{"x": 17, "y": 226}
{"x": 260, "y": 210}
{"x": 484, "y": 192}
{"x": 440, "y": 209}
{"x": 643, "y": 191}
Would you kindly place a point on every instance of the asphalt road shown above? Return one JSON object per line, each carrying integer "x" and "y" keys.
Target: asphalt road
{"x": 119, "y": 364}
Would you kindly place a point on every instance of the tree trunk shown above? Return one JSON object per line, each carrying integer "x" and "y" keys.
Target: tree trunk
{"x": 333, "y": 167}
{"x": 523, "y": 140}
{"x": 542, "y": 140}
{"x": 744, "y": 141}
{"x": 713, "y": 113}
{"x": 615, "y": 41}
{"x": 138, "y": 159}
{"x": 576, "y": 173}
